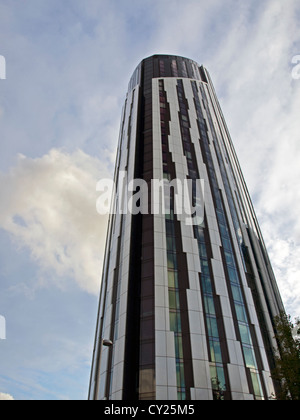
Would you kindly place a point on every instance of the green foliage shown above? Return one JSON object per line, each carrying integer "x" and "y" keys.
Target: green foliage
{"x": 287, "y": 371}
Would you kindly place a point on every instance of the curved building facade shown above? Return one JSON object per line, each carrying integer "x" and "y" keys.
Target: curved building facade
{"x": 188, "y": 307}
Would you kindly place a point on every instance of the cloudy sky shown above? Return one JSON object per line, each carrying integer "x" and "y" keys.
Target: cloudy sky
{"x": 68, "y": 64}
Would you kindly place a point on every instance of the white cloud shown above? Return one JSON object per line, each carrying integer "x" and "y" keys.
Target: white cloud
{"x": 261, "y": 103}
{"x": 48, "y": 205}
{"x": 6, "y": 397}
{"x": 284, "y": 254}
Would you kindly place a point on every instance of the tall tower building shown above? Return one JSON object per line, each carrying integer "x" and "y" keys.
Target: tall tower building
{"x": 187, "y": 304}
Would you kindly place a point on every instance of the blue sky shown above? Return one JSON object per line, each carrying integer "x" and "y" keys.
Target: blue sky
{"x": 68, "y": 66}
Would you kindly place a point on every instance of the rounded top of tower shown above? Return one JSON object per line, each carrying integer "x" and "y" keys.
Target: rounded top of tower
{"x": 163, "y": 65}
{"x": 169, "y": 57}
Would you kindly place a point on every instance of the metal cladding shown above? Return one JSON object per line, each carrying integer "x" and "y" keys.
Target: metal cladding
{"x": 189, "y": 307}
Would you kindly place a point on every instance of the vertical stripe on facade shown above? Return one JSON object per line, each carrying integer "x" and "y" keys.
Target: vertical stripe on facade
{"x": 176, "y": 265}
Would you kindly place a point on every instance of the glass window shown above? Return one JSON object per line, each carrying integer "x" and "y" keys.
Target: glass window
{"x": 205, "y": 268}
{"x": 256, "y": 384}
{"x": 170, "y": 215}
{"x": 226, "y": 244}
{"x": 245, "y": 334}
{"x": 172, "y": 263}
{"x": 172, "y": 299}
{"x": 173, "y": 321}
{"x": 221, "y": 378}
{"x": 164, "y": 148}
{"x": 180, "y": 374}
{"x": 171, "y": 244}
{"x": 223, "y": 231}
{"x": 181, "y": 394}
{"x": 193, "y": 174}
{"x": 178, "y": 346}
{"x": 218, "y": 381}
{"x": 183, "y": 110}
{"x": 206, "y": 282}
{"x": 229, "y": 258}
{"x": 174, "y": 68}
{"x": 212, "y": 327}
{"x": 209, "y": 305}
{"x": 249, "y": 357}
{"x": 171, "y": 279}
{"x": 215, "y": 351}
{"x": 221, "y": 217}
{"x": 184, "y": 69}
{"x": 237, "y": 294}
{"x": 233, "y": 275}
{"x": 214, "y": 376}
{"x": 241, "y": 313}
{"x": 202, "y": 250}
{"x": 187, "y": 146}
{"x": 169, "y": 228}
{"x": 164, "y": 139}
{"x": 200, "y": 235}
